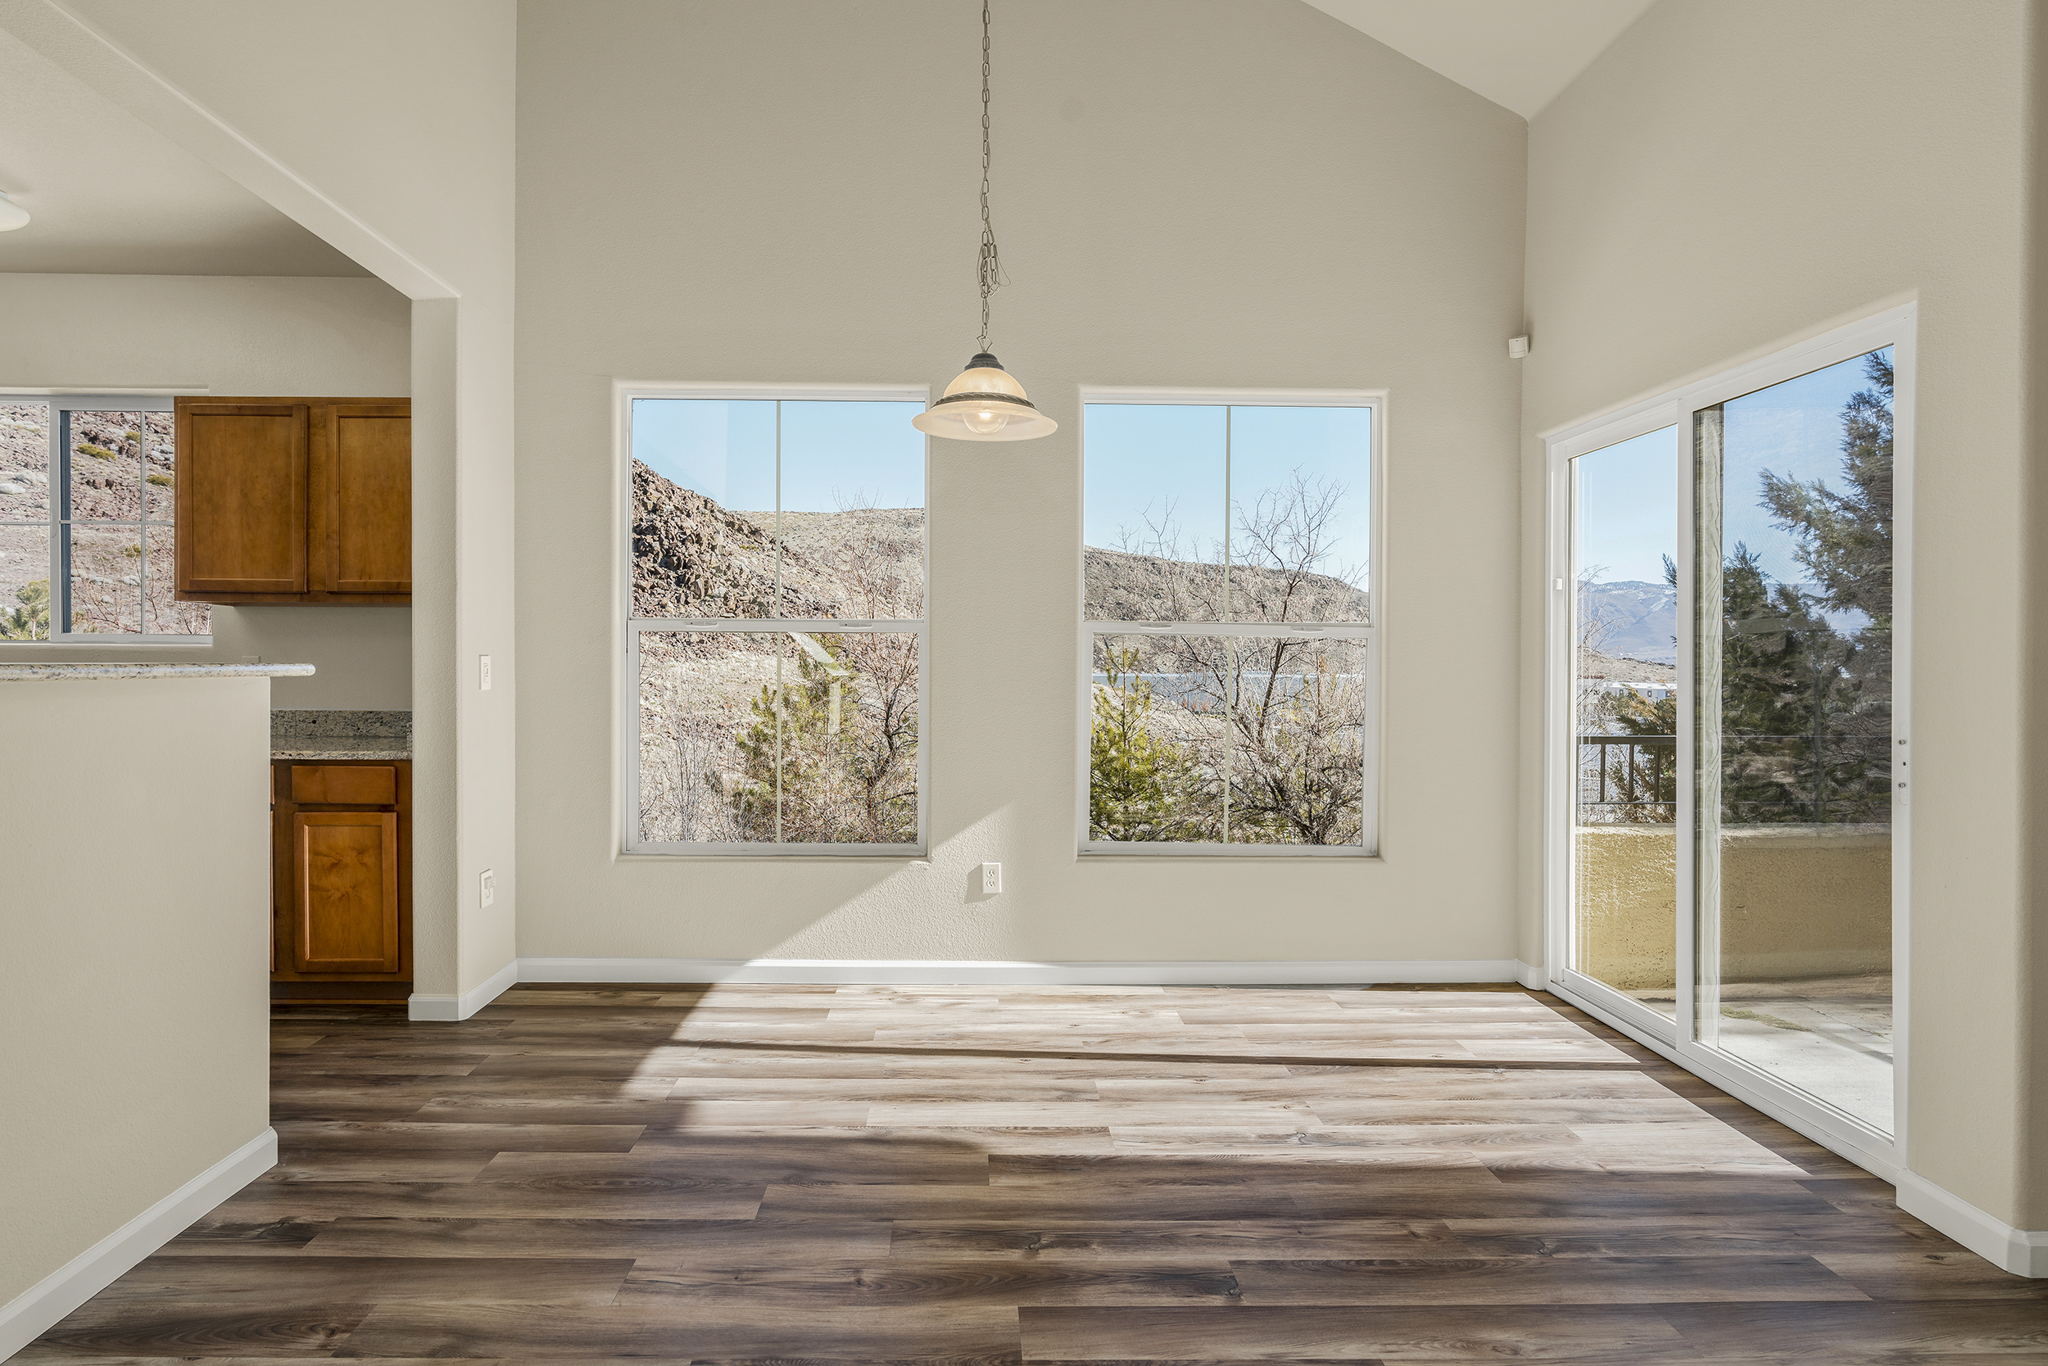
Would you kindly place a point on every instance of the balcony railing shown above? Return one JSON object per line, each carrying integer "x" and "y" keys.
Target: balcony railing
{"x": 1627, "y": 779}
{"x": 1825, "y": 778}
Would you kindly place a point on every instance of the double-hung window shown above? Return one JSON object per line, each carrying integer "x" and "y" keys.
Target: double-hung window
{"x": 1228, "y": 628}
{"x": 775, "y": 602}
{"x": 87, "y": 500}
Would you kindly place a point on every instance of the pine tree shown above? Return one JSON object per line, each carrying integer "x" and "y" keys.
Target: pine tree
{"x": 1840, "y": 766}
{"x": 843, "y": 747}
{"x": 30, "y": 619}
{"x": 1805, "y": 704}
{"x": 1140, "y": 787}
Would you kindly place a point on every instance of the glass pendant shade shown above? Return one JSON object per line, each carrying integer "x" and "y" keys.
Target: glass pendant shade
{"x": 984, "y": 403}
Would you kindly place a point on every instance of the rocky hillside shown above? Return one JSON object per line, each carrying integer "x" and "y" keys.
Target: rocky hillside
{"x": 123, "y": 471}
{"x": 1127, "y": 587}
{"x": 695, "y": 558}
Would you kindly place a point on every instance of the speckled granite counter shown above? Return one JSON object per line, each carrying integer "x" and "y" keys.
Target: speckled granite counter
{"x": 340, "y": 734}
{"x": 61, "y": 672}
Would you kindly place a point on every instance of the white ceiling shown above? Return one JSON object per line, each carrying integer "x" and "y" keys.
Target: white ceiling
{"x": 1517, "y": 53}
{"x": 108, "y": 195}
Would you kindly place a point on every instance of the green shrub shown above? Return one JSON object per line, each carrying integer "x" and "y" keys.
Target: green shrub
{"x": 96, "y": 452}
{"x": 31, "y": 619}
{"x": 162, "y": 481}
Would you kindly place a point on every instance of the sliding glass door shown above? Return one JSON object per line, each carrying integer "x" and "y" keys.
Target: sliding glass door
{"x": 1622, "y": 931}
{"x": 1794, "y": 665}
{"x": 1727, "y": 750}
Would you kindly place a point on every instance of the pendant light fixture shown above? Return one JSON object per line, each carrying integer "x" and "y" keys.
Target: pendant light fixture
{"x": 985, "y": 403}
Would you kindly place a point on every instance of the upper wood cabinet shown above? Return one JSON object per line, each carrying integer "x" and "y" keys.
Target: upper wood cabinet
{"x": 294, "y": 500}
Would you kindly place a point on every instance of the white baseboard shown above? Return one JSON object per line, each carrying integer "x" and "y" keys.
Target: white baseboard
{"x": 945, "y": 972}
{"x": 33, "y": 1312}
{"x": 2017, "y": 1250}
{"x": 1532, "y": 976}
{"x": 418, "y": 1007}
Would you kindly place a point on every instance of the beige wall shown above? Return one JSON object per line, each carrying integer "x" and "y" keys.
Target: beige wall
{"x": 384, "y": 126}
{"x": 1734, "y": 173}
{"x": 229, "y": 335}
{"x": 133, "y": 990}
{"x": 783, "y": 191}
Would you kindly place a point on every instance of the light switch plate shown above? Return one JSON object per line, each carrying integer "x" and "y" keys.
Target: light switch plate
{"x": 487, "y": 885}
{"x": 483, "y": 673}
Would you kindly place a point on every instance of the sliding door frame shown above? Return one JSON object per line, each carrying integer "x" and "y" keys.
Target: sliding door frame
{"x": 1679, "y": 1039}
{"x": 1560, "y": 713}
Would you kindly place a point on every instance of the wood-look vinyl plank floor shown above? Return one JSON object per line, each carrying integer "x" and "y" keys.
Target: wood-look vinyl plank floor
{"x": 595, "y": 1176}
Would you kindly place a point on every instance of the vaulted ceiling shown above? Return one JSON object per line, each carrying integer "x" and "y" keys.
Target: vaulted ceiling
{"x": 108, "y": 195}
{"x": 1517, "y": 53}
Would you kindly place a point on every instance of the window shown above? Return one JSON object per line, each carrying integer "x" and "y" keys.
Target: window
{"x": 1228, "y": 624}
{"x": 86, "y": 506}
{"x": 775, "y": 622}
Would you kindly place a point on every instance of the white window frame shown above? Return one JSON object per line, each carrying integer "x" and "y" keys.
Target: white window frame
{"x": 627, "y": 721}
{"x": 1680, "y": 1039}
{"x": 58, "y": 521}
{"x": 1369, "y": 635}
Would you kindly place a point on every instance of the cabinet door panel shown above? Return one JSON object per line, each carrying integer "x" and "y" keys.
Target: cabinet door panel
{"x": 241, "y": 498}
{"x": 345, "y": 891}
{"x": 364, "y": 471}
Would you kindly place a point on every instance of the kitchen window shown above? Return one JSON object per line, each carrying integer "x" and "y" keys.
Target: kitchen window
{"x": 774, "y": 585}
{"x": 87, "y": 506}
{"x": 1229, "y": 685}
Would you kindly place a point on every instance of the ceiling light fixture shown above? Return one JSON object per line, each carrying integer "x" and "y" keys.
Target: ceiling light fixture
{"x": 12, "y": 215}
{"x": 984, "y": 402}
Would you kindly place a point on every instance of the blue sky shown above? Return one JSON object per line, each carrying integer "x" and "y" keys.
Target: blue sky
{"x": 1628, "y": 492}
{"x": 1140, "y": 458}
{"x": 835, "y": 453}
{"x": 1628, "y": 508}
{"x": 1146, "y": 459}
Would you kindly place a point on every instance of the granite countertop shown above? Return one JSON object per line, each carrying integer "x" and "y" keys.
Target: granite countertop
{"x": 340, "y": 734}
{"x": 54, "y": 671}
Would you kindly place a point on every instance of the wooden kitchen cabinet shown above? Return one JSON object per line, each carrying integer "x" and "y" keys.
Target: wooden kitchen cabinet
{"x": 342, "y": 916}
{"x": 294, "y": 500}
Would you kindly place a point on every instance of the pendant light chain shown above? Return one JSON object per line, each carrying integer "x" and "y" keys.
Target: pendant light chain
{"x": 991, "y": 265}
{"x": 984, "y": 402}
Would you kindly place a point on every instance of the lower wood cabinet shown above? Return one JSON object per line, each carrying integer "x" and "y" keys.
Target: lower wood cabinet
{"x": 342, "y": 923}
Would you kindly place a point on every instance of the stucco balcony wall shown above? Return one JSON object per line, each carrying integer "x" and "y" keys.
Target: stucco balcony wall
{"x": 1797, "y": 901}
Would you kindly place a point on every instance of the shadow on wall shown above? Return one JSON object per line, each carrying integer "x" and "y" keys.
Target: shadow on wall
{"x": 781, "y": 911}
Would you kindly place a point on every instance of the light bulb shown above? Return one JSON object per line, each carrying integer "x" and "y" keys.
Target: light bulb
{"x": 984, "y": 421}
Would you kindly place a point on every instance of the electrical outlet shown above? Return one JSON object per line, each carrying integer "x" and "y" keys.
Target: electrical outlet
{"x": 487, "y": 887}
{"x": 991, "y": 879}
{"x": 483, "y": 673}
